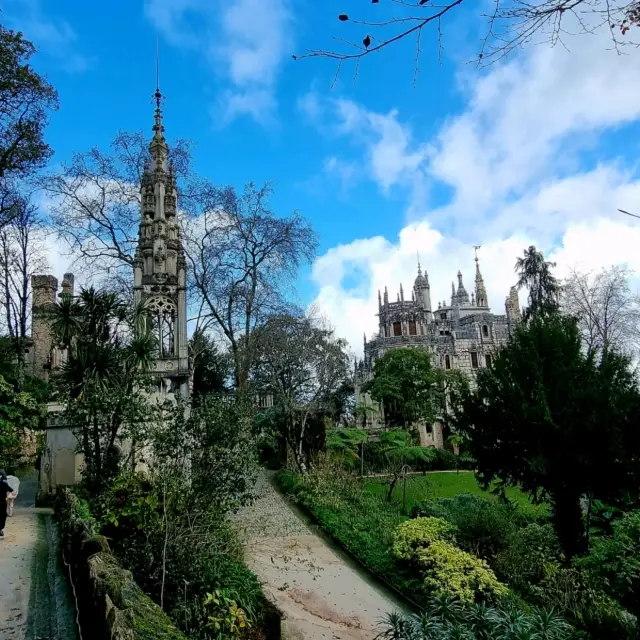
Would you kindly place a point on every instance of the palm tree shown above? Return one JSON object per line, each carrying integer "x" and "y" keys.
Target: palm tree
{"x": 535, "y": 274}
{"x": 109, "y": 356}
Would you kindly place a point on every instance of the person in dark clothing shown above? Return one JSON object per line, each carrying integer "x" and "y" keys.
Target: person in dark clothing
{"x": 5, "y": 490}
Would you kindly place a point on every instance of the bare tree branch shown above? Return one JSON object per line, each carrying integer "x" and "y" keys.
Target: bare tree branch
{"x": 511, "y": 25}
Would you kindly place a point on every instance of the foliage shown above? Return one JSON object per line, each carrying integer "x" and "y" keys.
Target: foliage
{"x": 211, "y": 367}
{"x": 19, "y": 411}
{"x": 445, "y": 569}
{"x": 168, "y": 526}
{"x": 25, "y": 98}
{"x": 403, "y": 379}
{"x": 346, "y": 443}
{"x": 304, "y": 368}
{"x": 614, "y": 563}
{"x": 576, "y": 597}
{"x": 110, "y": 353}
{"x": 535, "y": 421}
{"x": 521, "y": 563}
{"x": 482, "y": 526}
{"x": 534, "y": 274}
{"x": 446, "y": 618}
{"x": 399, "y": 455}
{"x": 451, "y": 571}
{"x": 419, "y": 533}
{"x": 224, "y": 617}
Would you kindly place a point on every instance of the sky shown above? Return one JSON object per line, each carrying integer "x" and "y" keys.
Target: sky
{"x": 539, "y": 148}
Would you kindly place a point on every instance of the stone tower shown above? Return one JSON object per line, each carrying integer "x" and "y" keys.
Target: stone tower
{"x": 423, "y": 290}
{"x": 160, "y": 266}
{"x": 45, "y": 289}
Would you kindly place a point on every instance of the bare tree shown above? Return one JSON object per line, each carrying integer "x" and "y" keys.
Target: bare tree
{"x": 510, "y": 25}
{"x": 21, "y": 256}
{"x": 608, "y": 311}
{"x": 302, "y": 365}
{"x": 95, "y": 203}
{"x": 242, "y": 261}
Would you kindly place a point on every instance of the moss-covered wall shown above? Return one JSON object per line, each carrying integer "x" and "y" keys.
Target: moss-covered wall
{"x": 112, "y": 606}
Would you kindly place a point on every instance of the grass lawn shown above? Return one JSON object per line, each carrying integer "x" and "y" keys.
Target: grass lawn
{"x": 438, "y": 484}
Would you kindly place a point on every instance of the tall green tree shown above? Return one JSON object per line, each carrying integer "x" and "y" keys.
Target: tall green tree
{"x": 211, "y": 367}
{"x": 534, "y": 273}
{"x": 110, "y": 354}
{"x": 405, "y": 381}
{"x": 25, "y": 100}
{"x": 547, "y": 418}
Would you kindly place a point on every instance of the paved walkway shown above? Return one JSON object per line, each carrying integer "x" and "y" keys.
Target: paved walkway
{"x": 34, "y": 600}
{"x": 322, "y": 594}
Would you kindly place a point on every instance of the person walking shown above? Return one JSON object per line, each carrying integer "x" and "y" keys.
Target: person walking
{"x": 14, "y": 483}
{"x": 5, "y": 490}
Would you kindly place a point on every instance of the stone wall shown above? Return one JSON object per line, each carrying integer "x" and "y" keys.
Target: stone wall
{"x": 112, "y": 606}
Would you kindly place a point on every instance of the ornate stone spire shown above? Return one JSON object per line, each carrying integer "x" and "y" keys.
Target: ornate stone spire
{"x": 462, "y": 295}
{"x": 481, "y": 292}
{"x": 160, "y": 264}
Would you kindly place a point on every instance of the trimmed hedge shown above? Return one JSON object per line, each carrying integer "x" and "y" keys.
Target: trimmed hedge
{"x": 112, "y": 606}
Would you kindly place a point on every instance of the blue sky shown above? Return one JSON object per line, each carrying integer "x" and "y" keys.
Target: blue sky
{"x": 540, "y": 148}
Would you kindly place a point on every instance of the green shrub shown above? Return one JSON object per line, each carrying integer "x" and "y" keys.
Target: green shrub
{"x": 450, "y": 571}
{"x": 416, "y": 534}
{"x": 482, "y": 526}
{"x": 573, "y": 594}
{"x": 445, "y": 460}
{"x": 521, "y": 564}
{"x": 614, "y": 563}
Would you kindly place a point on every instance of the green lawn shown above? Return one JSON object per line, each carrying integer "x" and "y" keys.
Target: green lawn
{"x": 439, "y": 484}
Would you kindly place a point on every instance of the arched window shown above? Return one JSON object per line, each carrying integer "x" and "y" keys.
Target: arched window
{"x": 485, "y": 331}
{"x": 397, "y": 328}
{"x": 163, "y": 318}
{"x": 447, "y": 362}
{"x": 412, "y": 328}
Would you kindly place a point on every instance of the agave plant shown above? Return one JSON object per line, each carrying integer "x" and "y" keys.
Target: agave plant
{"x": 448, "y": 619}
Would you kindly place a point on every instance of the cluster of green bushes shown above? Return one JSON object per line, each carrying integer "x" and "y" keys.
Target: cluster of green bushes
{"x": 352, "y": 448}
{"x": 197, "y": 576}
{"x": 481, "y": 551}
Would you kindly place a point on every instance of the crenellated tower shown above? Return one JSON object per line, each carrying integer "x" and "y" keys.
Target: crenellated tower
{"x": 160, "y": 265}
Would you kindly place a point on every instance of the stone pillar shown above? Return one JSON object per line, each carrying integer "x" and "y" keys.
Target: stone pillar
{"x": 68, "y": 284}
{"x": 45, "y": 290}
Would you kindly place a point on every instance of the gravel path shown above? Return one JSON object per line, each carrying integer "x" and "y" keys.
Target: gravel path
{"x": 321, "y": 593}
{"x": 34, "y": 600}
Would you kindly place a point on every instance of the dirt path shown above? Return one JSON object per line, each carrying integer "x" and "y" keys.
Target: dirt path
{"x": 321, "y": 593}
{"x": 34, "y": 598}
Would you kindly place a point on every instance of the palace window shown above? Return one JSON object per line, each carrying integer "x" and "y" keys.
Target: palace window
{"x": 443, "y": 316}
{"x": 487, "y": 360}
{"x": 162, "y": 312}
{"x": 485, "y": 331}
{"x": 474, "y": 359}
{"x": 412, "y": 328}
{"x": 397, "y": 328}
{"x": 447, "y": 362}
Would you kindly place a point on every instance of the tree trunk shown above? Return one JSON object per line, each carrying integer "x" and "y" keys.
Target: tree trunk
{"x": 392, "y": 486}
{"x": 568, "y": 523}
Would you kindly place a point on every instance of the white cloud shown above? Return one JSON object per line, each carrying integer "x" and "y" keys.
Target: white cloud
{"x": 245, "y": 41}
{"x": 513, "y": 160}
